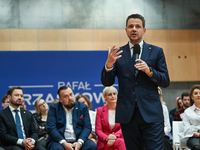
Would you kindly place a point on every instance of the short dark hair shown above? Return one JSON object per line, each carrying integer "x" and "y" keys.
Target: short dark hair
{"x": 185, "y": 94}
{"x": 63, "y": 88}
{"x": 4, "y": 98}
{"x": 136, "y": 16}
{"x": 10, "y": 91}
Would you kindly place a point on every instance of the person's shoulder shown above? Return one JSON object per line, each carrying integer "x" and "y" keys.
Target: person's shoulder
{"x": 124, "y": 46}
{"x": 25, "y": 111}
{"x": 102, "y": 108}
{"x": 81, "y": 105}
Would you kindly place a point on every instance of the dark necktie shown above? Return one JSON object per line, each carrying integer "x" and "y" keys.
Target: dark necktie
{"x": 18, "y": 125}
{"x": 133, "y": 59}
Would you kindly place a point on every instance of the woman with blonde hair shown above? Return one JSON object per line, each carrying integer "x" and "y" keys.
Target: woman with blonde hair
{"x": 109, "y": 133}
{"x": 40, "y": 118}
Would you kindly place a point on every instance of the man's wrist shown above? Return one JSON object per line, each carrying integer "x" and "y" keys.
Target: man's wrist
{"x": 150, "y": 72}
{"x": 80, "y": 141}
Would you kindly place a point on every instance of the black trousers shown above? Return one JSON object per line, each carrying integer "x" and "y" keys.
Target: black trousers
{"x": 167, "y": 145}
{"x": 193, "y": 141}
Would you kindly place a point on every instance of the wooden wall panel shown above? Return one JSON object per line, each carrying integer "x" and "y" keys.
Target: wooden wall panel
{"x": 23, "y": 39}
{"x": 197, "y": 33}
{"x": 177, "y": 44}
{"x": 104, "y": 38}
{"x": 51, "y": 39}
{"x": 185, "y": 69}
{"x": 123, "y": 38}
{"x": 4, "y": 39}
{"x": 183, "y": 42}
{"x": 79, "y": 39}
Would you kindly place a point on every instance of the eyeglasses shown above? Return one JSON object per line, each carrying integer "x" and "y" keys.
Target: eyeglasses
{"x": 42, "y": 104}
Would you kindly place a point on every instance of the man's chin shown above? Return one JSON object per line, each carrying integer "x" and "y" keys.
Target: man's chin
{"x": 71, "y": 105}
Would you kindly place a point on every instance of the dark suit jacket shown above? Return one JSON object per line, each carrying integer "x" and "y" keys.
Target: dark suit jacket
{"x": 142, "y": 88}
{"x": 8, "y": 130}
{"x": 56, "y": 122}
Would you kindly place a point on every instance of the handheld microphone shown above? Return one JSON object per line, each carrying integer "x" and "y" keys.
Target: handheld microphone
{"x": 136, "y": 51}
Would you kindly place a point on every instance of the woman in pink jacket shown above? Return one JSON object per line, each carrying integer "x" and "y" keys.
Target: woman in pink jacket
{"x": 109, "y": 133}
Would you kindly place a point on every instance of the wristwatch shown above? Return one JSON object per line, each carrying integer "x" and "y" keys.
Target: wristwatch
{"x": 151, "y": 71}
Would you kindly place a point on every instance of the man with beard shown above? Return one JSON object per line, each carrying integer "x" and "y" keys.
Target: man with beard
{"x": 68, "y": 123}
{"x": 17, "y": 130}
{"x": 186, "y": 103}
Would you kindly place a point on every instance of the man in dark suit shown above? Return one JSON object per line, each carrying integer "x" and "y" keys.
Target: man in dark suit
{"x": 68, "y": 123}
{"x": 139, "y": 109}
{"x": 17, "y": 131}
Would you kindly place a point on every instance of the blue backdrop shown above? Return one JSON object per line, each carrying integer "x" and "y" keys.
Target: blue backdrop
{"x": 41, "y": 73}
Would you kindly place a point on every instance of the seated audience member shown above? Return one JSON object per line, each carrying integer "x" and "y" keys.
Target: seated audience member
{"x": 40, "y": 119}
{"x": 55, "y": 101}
{"x": 68, "y": 123}
{"x": 17, "y": 129}
{"x": 5, "y": 102}
{"x": 167, "y": 127}
{"x": 109, "y": 133}
{"x": 85, "y": 100}
{"x": 191, "y": 120}
{"x": 173, "y": 111}
{"x": 186, "y": 103}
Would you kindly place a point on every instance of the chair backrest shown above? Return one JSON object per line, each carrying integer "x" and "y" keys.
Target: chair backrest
{"x": 178, "y": 128}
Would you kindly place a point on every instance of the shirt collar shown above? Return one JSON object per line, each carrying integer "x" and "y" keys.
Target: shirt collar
{"x": 195, "y": 108}
{"x": 12, "y": 109}
{"x": 131, "y": 45}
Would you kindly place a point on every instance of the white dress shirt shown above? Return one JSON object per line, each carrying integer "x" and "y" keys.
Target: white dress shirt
{"x": 111, "y": 118}
{"x": 92, "y": 118}
{"x": 69, "y": 133}
{"x": 69, "y": 130}
{"x": 19, "y": 141}
{"x": 167, "y": 127}
{"x": 191, "y": 122}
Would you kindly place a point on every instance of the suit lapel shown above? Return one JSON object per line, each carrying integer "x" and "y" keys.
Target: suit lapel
{"x": 106, "y": 115}
{"x": 127, "y": 57}
{"x": 75, "y": 116}
{"x": 146, "y": 52}
{"x": 24, "y": 119}
{"x": 10, "y": 117}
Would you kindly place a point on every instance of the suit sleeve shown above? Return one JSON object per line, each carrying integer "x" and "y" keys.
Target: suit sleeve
{"x": 86, "y": 129}
{"x": 52, "y": 125}
{"x": 99, "y": 128}
{"x": 108, "y": 77}
{"x": 160, "y": 73}
{"x": 33, "y": 130}
{"x": 5, "y": 137}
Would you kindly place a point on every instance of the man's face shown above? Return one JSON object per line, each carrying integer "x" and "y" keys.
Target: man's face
{"x": 135, "y": 30}
{"x": 16, "y": 98}
{"x": 6, "y": 103}
{"x": 186, "y": 101}
{"x": 67, "y": 98}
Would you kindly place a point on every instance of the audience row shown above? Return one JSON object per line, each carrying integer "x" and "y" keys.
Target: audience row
{"x": 70, "y": 124}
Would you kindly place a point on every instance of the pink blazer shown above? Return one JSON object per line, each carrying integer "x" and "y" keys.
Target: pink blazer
{"x": 103, "y": 129}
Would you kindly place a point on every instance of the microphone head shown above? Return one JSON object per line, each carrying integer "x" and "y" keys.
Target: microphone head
{"x": 136, "y": 49}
